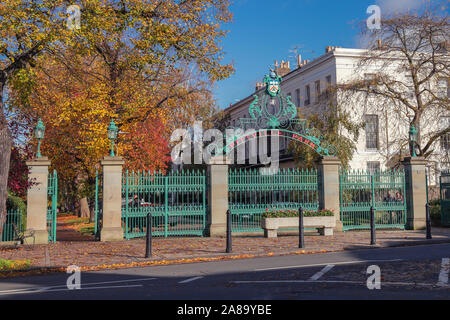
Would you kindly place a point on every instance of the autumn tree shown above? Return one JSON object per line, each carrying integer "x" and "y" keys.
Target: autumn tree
{"x": 142, "y": 63}
{"x": 403, "y": 76}
{"x": 26, "y": 29}
{"x": 330, "y": 123}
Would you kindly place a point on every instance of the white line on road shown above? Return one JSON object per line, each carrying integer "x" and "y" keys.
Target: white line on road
{"x": 319, "y": 274}
{"x": 333, "y": 281}
{"x": 443, "y": 275}
{"x": 46, "y": 290}
{"x": 325, "y": 264}
{"x": 83, "y": 284}
{"x": 190, "y": 279}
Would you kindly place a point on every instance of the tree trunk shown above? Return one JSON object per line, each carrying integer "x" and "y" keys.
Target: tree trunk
{"x": 92, "y": 217}
{"x": 5, "y": 153}
{"x": 84, "y": 208}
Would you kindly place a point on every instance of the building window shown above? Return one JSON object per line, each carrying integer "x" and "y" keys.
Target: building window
{"x": 371, "y": 131}
{"x": 317, "y": 87}
{"x": 308, "y": 95}
{"x": 297, "y": 95}
{"x": 328, "y": 81}
{"x": 445, "y": 139}
{"x": 373, "y": 167}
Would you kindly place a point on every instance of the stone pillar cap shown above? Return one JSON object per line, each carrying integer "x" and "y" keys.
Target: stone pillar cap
{"x": 329, "y": 160}
{"x": 112, "y": 161}
{"x": 216, "y": 160}
{"x": 414, "y": 160}
{"x": 42, "y": 161}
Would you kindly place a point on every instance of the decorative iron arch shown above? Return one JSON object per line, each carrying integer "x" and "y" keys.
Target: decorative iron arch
{"x": 320, "y": 146}
{"x": 272, "y": 113}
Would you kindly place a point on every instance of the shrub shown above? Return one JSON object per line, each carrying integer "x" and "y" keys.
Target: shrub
{"x": 434, "y": 202}
{"x": 435, "y": 215}
{"x": 14, "y": 203}
{"x": 14, "y": 264}
{"x": 288, "y": 213}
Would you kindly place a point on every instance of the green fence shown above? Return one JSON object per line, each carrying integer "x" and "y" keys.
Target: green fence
{"x": 384, "y": 190}
{"x": 176, "y": 201}
{"x": 52, "y": 200}
{"x": 14, "y": 225}
{"x": 251, "y": 194}
{"x": 445, "y": 198}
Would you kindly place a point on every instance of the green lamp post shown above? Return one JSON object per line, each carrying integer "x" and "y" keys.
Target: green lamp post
{"x": 39, "y": 132}
{"x": 112, "y": 135}
{"x": 413, "y": 140}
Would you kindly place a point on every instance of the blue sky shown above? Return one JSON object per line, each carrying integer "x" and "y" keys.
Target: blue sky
{"x": 263, "y": 31}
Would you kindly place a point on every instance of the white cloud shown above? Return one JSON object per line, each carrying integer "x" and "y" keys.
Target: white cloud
{"x": 399, "y": 6}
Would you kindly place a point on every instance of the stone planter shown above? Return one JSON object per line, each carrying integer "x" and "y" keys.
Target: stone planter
{"x": 325, "y": 224}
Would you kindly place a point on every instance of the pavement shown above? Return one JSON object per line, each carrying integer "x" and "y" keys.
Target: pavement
{"x": 412, "y": 272}
{"x": 72, "y": 248}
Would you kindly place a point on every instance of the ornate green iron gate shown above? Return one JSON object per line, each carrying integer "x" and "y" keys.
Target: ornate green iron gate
{"x": 251, "y": 194}
{"x": 52, "y": 195}
{"x": 176, "y": 201}
{"x": 445, "y": 198}
{"x": 384, "y": 190}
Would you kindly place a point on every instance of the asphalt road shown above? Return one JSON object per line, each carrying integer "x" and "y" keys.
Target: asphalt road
{"x": 419, "y": 272}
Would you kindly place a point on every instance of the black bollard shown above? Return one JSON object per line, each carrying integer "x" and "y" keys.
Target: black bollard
{"x": 229, "y": 244}
{"x": 373, "y": 239}
{"x": 301, "y": 229}
{"x": 148, "y": 244}
{"x": 427, "y": 207}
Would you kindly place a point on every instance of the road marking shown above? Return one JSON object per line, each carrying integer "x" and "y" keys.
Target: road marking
{"x": 443, "y": 275}
{"x": 326, "y": 264}
{"x": 190, "y": 279}
{"x": 333, "y": 281}
{"x": 83, "y": 284}
{"x": 319, "y": 274}
{"x": 46, "y": 290}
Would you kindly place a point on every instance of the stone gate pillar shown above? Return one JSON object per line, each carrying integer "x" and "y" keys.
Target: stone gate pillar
{"x": 112, "y": 199}
{"x": 37, "y": 199}
{"x": 416, "y": 192}
{"x": 328, "y": 183}
{"x": 217, "y": 196}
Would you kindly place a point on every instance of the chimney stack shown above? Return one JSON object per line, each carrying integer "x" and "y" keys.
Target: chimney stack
{"x": 259, "y": 85}
{"x": 283, "y": 69}
{"x": 299, "y": 60}
{"x": 379, "y": 44}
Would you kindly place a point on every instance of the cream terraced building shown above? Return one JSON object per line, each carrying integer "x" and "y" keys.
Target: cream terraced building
{"x": 378, "y": 143}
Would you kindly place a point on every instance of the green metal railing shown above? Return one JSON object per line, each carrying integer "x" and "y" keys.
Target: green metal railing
{"x": 52, "y": 195}
{"x": 444, "y": 189}
{"x": 14, "y": 224}
{"x": 176, "y": 201}
{"x": 251, "y": 194}
{"x": 384, "y": 190}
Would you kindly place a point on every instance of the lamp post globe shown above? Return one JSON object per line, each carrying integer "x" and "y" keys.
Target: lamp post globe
{"x": 112, "y": 135}
{"x": 39, "y": 132}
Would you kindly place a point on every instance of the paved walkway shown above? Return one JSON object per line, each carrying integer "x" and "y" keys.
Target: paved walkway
{"x": 83, "y": 252}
